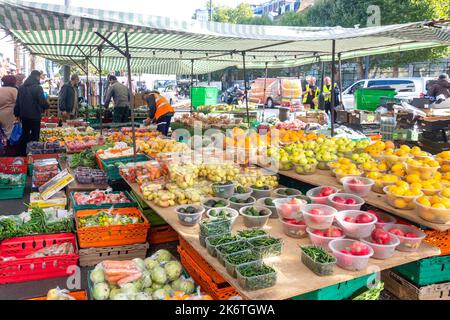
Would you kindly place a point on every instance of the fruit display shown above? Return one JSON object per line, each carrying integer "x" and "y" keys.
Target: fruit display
{"x": 100, "y": 197}
{"x": 257, "y": 178}
{"x": 372, "y": 166}
{"x": 318, "y": 216}
{"x": 382, "y": 180}
{"x": 351, "y": 255}
{"x": 410, "y": 237}
{"x": 44, "y": 170}
{"x": 322, "y": 238}
{"x": 361, "y": 158}
{"x": 294, "y": 125}
{"x": 402, "y": 195}
{"x": 344, "y": 167}
{"x": 34, "y": 147}
{"x": 158, "y": 145}
{"x": 125, "y": 135}
{"x": 219, "y": 172}
{"x": 358, "y": 185}
{"x": 106, "y": 218}
{"x": 225, "y": 213}
{"x": 435, "y": 209}
{"x": 206, "y": 120}
{"x": 425, "y": 168}
{"x": 142, "y": 171}
{"x": 343, "y": 202}
{"x": 158, "y": 277}
{"x": 294, "y": 228}
{"x": 320, "y": 195}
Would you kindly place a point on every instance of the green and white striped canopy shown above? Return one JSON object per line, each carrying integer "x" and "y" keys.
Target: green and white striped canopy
{"x": 167, "y": 46}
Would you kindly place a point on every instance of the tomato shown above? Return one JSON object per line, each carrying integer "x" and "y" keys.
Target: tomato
{"x": 334, "y": 232}
{"x": 364, "y": 218}
{"x": 380, "y": 236}
{"x": 319, "y": 233}
{"x": 359, "y": 249}
{"x": 411, "y": 235}
{"x": 350, "y": 219}
{"x": 397, "y": 232}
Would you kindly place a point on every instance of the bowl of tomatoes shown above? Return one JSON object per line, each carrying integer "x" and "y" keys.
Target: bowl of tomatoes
{"x": 350, "y": 254}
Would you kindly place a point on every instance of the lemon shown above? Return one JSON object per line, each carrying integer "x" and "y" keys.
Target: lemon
{"x": 435, "y": 199}
{"x": 446, "y": 192}
{"x": 438, "y": 206}
{"x": 412, "y": 178}
{"x": 400, "y": 203}
{"x": 424, "y": 201}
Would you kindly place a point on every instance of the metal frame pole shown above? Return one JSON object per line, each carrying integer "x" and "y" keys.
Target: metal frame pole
{"x": 341, "y": 87}
{"x": 246, "y": 86}
{"x": 265, "y": 88}
{"x": 100, "y": 87}
{"x": 130, "y": 88}
{"x": 192, "y": 83}
{"x": 87, "y": 85}
{"x": 333, "y": 90}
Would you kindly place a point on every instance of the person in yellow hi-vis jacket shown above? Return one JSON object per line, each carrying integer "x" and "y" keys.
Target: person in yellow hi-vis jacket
{"x": 311, "y": 94}
{"x": 327, "y": 96}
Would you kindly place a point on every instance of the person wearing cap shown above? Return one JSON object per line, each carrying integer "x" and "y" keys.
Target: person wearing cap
{"x": 68, "y": 99}
{"x": 30, "y": 105}
{"x": 160, "y": 112}
{"x": 440, "y": 90}
{"x": 121, "y": 96}
{"x": 8, "y": 96}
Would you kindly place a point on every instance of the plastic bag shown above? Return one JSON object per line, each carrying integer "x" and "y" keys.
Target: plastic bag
{"x": 16, "y": 134}
{"x": 59, "y": 294}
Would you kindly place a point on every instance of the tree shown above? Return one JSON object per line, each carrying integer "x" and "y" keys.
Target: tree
{"x": 293, "y": 19}
{"x": 242, "y": 14}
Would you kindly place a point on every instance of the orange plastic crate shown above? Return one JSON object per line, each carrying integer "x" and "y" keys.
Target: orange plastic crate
{"x": 78, "y": 295}
{"x": 162, "y": 234}
{"x": 216, "y": 277}
{"x": 120, "y": 235}
{"x": 440, "y": 240}
{"x": 222, "y": 292}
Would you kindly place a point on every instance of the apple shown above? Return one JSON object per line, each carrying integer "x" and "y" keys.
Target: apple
{"x": 295, "y": 222}
{"x": 317, "y": 212}
{"x": 380, "y": 236}
{"x": 355, "y": 181}
{"x": 350, "y": 219}
{"x": 359, "y": 249}
{"x": 411, "y": 235}
{"x": 334, "y": 232}
{"x": 346, "y": 252}
{"x": 364, "y": 218}
{"x": 327, "y": 191}
{"x": 397, "y": 232}
{"x": 319, "y": 233}
{"x": 339, "y": 200}
{"x": 351, "y": 202}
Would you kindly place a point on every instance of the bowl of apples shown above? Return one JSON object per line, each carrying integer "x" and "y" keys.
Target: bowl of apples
{"x": 357, "y": 185}
{"x": 350, "y": 254}
{"x": 294, "y": 228}
{"x": 320, "y": 195}
{"x": 289, "y": 208}
{"x": 322, "y": 238}
{"x": 345, "y": 201}
{"x": 356, "y": 224}
{"x": 410, "y": 237}
{"x": 383, "y": 243}
{"x": 318, "y": 216}
{"x": 383, "y": 219}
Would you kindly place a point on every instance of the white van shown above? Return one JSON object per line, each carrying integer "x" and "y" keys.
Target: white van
{"x": 407, "y": 88}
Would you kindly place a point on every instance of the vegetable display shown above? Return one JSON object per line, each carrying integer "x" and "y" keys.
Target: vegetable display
{"x": 224, "y": 214}
{"x": 10, "y": 179}
{"x": 104, "y": 219}
{"x": 318, "y": 254}
{"x": 188, "y": 210}
{"x": 251, "y": 233}
{"x": 254, "y": 212}
{"x": 267, "y": 247}
{"x": 241, "y": 258}
{"x": 100, "y": 197}
{"x": 215, "y": 203}
{"x": 85, "y": 158}
{"x": 256, "y": 276}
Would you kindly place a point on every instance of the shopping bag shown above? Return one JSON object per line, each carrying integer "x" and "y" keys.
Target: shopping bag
{"x": 16, "y": 134}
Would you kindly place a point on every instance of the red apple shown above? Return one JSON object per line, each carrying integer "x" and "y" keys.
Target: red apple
{"x": 397, "y": 232}
{"x": 295, "y": 201}
{"x": 364, "y": 218}
{"x": 356, "y": 182}
{"x": 317, "y": 212}
{"x": 411, "y": 235}
{"x": 350, "y": 219}
{"x": 334, "y": 232}
{"x": 351, "y": 202}
{"x": 380, "y": 236}
{"x": 327, "y": 191}
{"x": 339, "y": 200}
{"x": 359, "y": 249}
{"x": 319, "y": 233}
{"x": 346, "y": 252}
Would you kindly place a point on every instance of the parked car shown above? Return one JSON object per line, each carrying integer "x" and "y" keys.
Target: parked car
{"x": 279, "y": 91}
{"x": 407, "y": 88}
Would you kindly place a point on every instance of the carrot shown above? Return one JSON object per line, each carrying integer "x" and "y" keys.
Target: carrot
{"x": 131, "y": 278}
{"x": 113, "y": 279}
{"x": 128, "y": 265}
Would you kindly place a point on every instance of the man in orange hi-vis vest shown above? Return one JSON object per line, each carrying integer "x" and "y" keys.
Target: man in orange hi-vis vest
{"x": 160, "y": 112}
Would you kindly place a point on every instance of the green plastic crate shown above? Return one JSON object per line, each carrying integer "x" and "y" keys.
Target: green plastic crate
{"x": 338, "y": 291}
{"x": 153, "y": 218}
{"x": 13, "y": 192}
{"x": 204, "y": 96}
{"x": 112, "y": 171}
{"x": 427, "y": 271}
{"x": 369, "y": 98}
{"x": 132, "y": 204}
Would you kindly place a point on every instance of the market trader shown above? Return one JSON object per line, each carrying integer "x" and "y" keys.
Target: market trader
{"x": 311, "y": 94}
{"x": 30, "y": 105}
{"x": 68, "y": 99}
{"x": 160, "y": 112}
{"x": 121, "y": 96}
{"x": 327, "y": 96}
{"x": 440, "y": 90}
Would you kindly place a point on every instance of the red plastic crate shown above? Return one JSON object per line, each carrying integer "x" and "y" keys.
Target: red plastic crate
{"x": 7, "y": 166}
{"x": 22, "y": 269}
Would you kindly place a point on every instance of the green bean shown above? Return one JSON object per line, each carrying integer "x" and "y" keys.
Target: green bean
{"x": 241, "y": 258}
{"x": 251, "y": 233}
{"x": 318, "y": 254}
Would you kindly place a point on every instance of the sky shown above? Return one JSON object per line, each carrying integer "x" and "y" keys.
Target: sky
{"x": 179, "y": 9}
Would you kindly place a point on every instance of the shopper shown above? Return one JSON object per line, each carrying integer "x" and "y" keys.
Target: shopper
{"x": 311, "y": 94}
{"x": 440, "y": 90}
{"x": 121, "y": 96}
{"x": 30, "y": 105}
{"x": 68, "y": 99}
{"x": 20, "y": 77}
{"x": 327, "y": 96}
{"x": 160, "y": 112}
{"x": 8, "y": 96}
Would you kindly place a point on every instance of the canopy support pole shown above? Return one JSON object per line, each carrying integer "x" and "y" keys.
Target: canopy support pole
{"x": 333, "y": 90}
{"x": 265, "y": 88}
{"x": 78, "y": 65}
{"x": 130, "y": 88}
{"x": 100, "y": 91}
{"x": 341, "y": 88}
{"x": 192, "y": 83}
{"x": 87, "y": 83}
{"x": 246, "y": 87}
{"x": 322, "y": 79}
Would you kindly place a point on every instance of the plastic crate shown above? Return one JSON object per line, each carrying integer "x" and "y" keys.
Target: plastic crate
{"x": 77, "y": 207}
{"x": 162, "y": 234}
{"x": 112, "y": 171}
{"x": 340, "y": 291}
{"x": 13, "y": 192}
{"x": 222, "y": 292}
{"x": 204, "y": 96}
{"x": 77, "y": 295}
{"x": 7, "y": 166}
{"x": 117, "y": 235}
{"x": 440, "y": 240}
{"x": 427, "y": 271}
{"x": 90, "y": 257}
{"x": 23, "y": 269}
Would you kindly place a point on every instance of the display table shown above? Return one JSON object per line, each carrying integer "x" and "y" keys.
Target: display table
{"x": 324, "y": 178}
{"x": 294, "y": 278}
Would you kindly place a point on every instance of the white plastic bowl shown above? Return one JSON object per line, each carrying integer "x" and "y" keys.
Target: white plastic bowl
{"x": 286, "y": 210}
{"x": 319, "y": 240}
{"x": 312, "y": 195}
{"x": 258, "y": 193}
{"x": 261, "y": 203}
{"x": 347, "y": 261}
{"x": 255, "y": 222}
{"x": 408, "y": 244}
{"x": 215, "y": 199}
{"x": 345, "y": 207}
{"x": 387, "y": 218}
{"x": 238, "y": 206}
{"x": 356, "y": 230}
{"x": 294, "y": 230}
{"x": 320, "y": 222}
{"x": 439, "y": 216}
{"x": 234, "y": 214}
{"x": 382, "y": 251}
{"x": 188, "y": 219}
{"x": 362, "y": 190}
{"x": 223, "y": 191}
{"x": 245, "y": 195}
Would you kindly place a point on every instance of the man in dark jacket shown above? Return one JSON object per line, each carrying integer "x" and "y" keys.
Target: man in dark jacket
{"x": 121, "y": 96}
{"x": 30, "y": 105}
{"x": 441, "y": 88}
{"x": 68, "y": 99}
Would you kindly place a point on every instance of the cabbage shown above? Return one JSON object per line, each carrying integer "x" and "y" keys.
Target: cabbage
{"x": 163, "y": 256}
{"x": 176, "y": 285}
{"x": 159, "y": 294}
{"x": 140, "y": 263}
{"x": 149, "y": 291}
{"x": 130, "y": 288}
{"x": 139, "y": 284}
{"x": 122, "y": 296}
{"x": 186, "y": 286}
{"x": 159, "y": 275}
{"x": 146, "y": 280}
{"x": 143, "y": 296}
{"x": 150, "y": 263}
{"x": 168, "y": 289}
{"x": 156, "y": 286}
{"x": 113, "y": 293}
{"x": 173, "y": 270}
{"x": 97, "y": 276}
{"x": 101, "y": 291}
